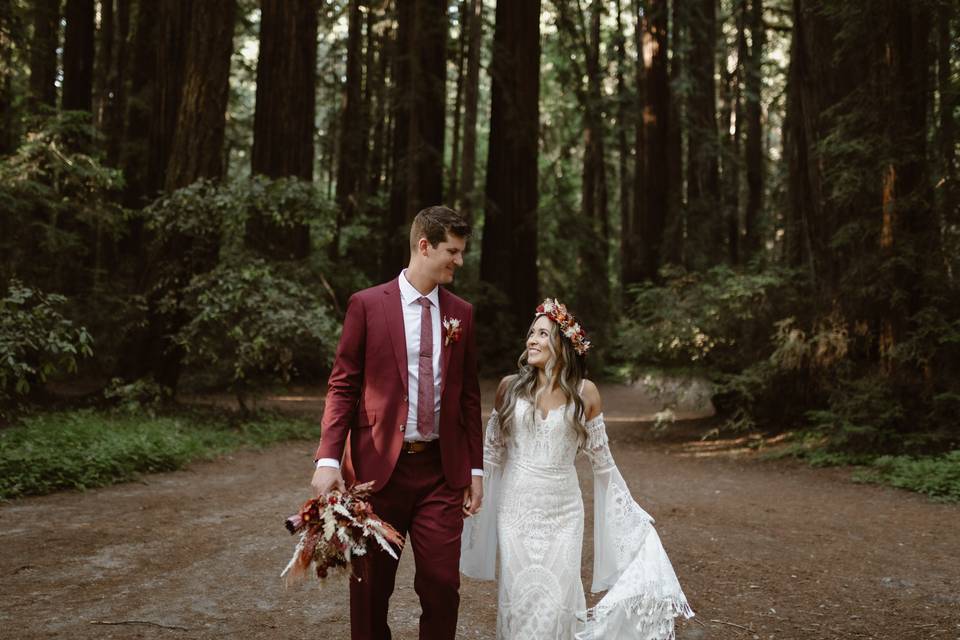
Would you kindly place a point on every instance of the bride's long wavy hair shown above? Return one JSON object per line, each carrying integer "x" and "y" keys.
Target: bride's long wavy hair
{"x": 565, "y": 369}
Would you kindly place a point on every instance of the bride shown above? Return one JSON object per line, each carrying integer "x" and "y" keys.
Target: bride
{"x": 544, "y": 416}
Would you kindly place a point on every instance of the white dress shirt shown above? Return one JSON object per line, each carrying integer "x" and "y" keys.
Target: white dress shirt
{"x": 412, "y": 312}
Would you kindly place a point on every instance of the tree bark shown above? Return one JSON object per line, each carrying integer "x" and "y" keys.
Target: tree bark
{"x": 705, "y": 228}
{"x": 11, "y": 41}
{"x": 464, "y": 18}
{"x": 754, "y": 139}
{"x": 675, "y": 248}
{"x": 471, "y": 98}
{"x": 656, "y": 116}
{"x": 106, "y": 37}
{"x": 43, "y": 53}
{"x": 630, "y": 266}
{"x": 419, "y": 114}
{"x": 78, "y": 55}
{"x": 377, "y": 173}
{"x": 624, "y": 122}
{"x": 947, "y": 87}
{"x": 283, "y": 125}
{"x": 113, "y": 104}
{"x": 349, "y": 169}
{"x": 509, "y": 248}
{"x": 198, "y": 141}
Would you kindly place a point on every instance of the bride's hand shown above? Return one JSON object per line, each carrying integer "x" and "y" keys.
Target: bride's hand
{"x": 473, "y": 496}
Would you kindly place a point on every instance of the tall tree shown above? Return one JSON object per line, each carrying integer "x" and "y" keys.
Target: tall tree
{"x": 106, "y": 37}
{"x": 471, "y": 93}
{"x": 78, "y": 55}
{"x": 43, "y": 52}
{"x": 674, "y": 248}
{"x": 624, "y": 122}
{"x": 592, "y": 249}
{"x": 196, "y": 152}
{"x": 198, "y": 141}
{"x": 753, "y": 145}
{"x": 377, "y": 76}
{"x": 509, "y": 248}
{"x": 283, "y": 125}
{"x": 731, "y": 128}
{"x": 645, "y": 247}
{"x": 349, "y": 166}
{"x": 704, "y": 218}
{"x": 461, "y": 44}
{"x": 115, "y": 101}
{"x": 419, "y": 114}
{"x": 11, "y": 43}
{"x": 947, "y": 87}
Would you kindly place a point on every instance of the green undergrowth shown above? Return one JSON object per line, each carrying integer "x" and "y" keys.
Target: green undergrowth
{"x": 82, "y": 449}
{"x": 935, "y": 476}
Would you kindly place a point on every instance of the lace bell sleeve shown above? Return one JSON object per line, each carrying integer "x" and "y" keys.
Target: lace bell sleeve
{"x": 644, "y": 594}
{"x": 478, "y": 550}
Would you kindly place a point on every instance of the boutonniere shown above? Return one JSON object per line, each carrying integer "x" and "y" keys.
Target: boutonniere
{"x": 453, "y": 330}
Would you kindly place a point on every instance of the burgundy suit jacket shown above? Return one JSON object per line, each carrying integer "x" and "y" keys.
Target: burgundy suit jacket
{"x": 365, "y": 414}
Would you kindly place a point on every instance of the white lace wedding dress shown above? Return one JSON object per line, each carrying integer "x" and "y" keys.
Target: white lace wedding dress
{"x": 533, "y": 512}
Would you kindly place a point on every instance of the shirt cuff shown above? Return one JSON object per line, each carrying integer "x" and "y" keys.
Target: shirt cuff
{"x": 476, "y": 472}
{"x": 328, "y": 462}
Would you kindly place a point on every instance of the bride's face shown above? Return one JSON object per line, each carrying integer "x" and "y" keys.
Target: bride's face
{"x": 539, "y": 343}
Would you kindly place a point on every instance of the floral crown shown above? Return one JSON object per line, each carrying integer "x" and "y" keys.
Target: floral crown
{"x": 569, "y": 326}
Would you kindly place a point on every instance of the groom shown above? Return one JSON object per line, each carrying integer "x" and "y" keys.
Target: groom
{"x": 403, "y": 410}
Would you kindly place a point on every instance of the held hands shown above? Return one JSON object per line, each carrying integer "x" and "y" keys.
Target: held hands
{"x": 325, "y": 480}
{"x": 473, "y": 496}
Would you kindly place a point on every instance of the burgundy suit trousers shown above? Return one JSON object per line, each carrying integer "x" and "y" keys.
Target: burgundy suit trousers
{"x": 418, "y": 502}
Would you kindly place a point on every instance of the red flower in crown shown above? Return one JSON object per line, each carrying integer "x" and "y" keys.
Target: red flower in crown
{"x": 569, "y": 327}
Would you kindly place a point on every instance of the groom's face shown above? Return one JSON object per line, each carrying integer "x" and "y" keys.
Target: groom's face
{"x": 442, "y": 261}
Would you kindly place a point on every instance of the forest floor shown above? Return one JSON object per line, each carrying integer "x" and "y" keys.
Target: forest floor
{"x": 763, "y": 549}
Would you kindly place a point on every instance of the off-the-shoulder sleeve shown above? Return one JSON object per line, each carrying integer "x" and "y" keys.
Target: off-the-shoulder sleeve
{"x": 644, "y": 594}
{"x": 478, "y": 550}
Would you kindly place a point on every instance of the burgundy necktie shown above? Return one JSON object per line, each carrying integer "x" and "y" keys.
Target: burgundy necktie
{"x": 425, "y": 390}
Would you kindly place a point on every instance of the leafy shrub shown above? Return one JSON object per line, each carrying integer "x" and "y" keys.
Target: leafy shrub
{"x": 253, "y": 322}
{"x": 57, "y": 199}
{"x": 718, "y": 320}
{"x": 85, "y": 449}
{"x": 36, "y": 340}
{"x": 938, "y": 477}
{"x": 140, "y": 396}
{"x": 240, "y": 319}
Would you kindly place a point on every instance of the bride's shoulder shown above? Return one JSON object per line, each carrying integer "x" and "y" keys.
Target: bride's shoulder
{"x": 592, "y": 404}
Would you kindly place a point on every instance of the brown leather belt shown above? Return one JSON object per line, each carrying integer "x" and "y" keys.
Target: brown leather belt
{"x": 418, "y": 446}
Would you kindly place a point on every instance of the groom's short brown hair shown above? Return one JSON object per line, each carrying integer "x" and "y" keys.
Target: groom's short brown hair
{"x": 434, "y": 223}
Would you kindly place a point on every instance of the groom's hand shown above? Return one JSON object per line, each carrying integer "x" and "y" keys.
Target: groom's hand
{"x": 326, "y": 479}
{"x": 473, "y": 496}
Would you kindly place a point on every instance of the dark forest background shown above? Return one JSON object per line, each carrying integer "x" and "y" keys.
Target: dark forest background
{"x": 760, "y": 192}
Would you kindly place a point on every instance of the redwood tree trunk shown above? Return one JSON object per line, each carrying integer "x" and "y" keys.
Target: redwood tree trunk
{"x": 349, "y": 168}
{"x": 509, "y": 251}
{"x": 655, "y": 123}
{"x": 470, "y": 99}
{"x": 43, "y": 52}
{"x": 754, "y": 139}
{"x": 705, "y": 227}
{"x": 115, "y": 100}
{"x": 283, "y": 125}
{"x": 419, "y": 114}
{"x": 78, "y": 54}
{"x": 198, "y": 141}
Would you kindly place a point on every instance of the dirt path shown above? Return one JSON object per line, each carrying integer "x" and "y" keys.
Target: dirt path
{"x": 763, "y": 550}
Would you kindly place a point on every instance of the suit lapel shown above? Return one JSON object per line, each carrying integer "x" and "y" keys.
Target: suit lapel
{"x": 446, "y": 349}
{"x": 393, "y": 312}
